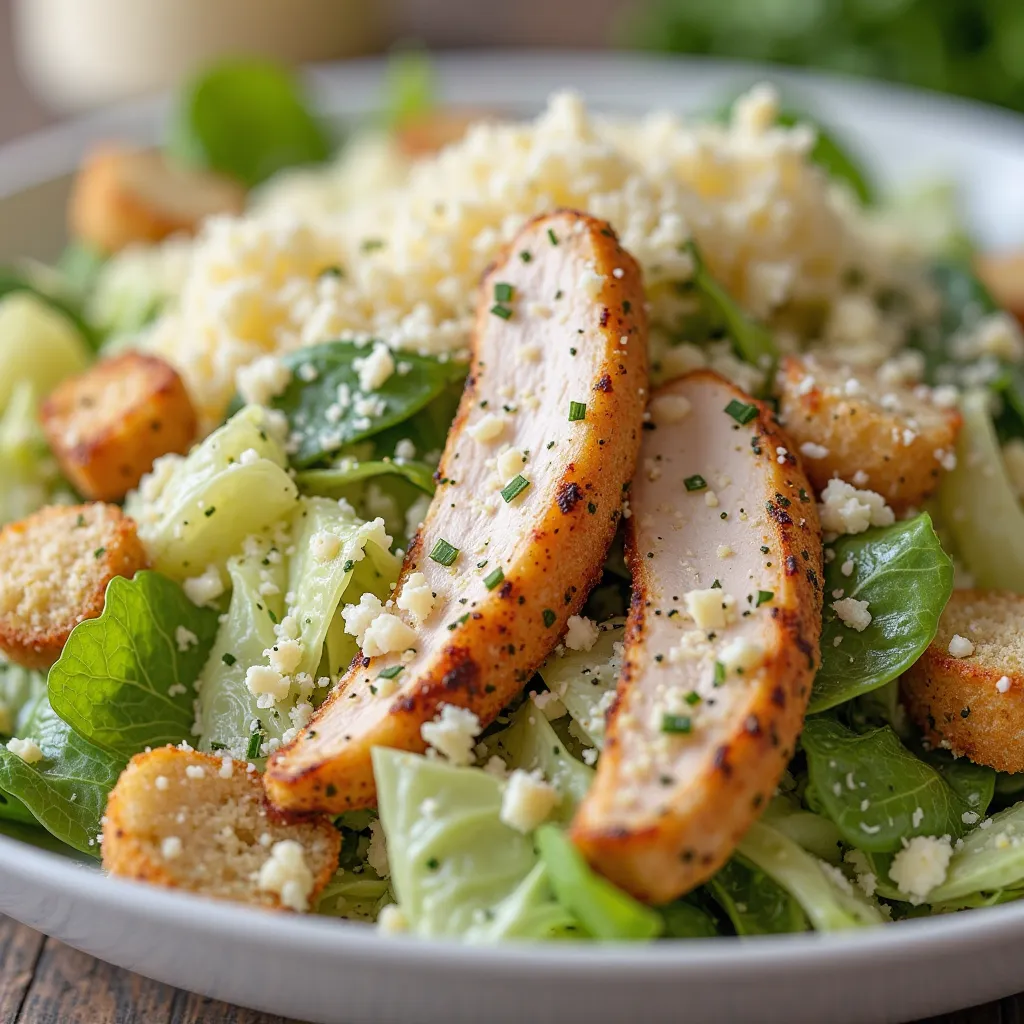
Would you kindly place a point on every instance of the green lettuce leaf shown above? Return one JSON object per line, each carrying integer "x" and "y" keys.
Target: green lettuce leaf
{"x": 755, "y": 904}
{"x": 354, "y": 898}
{"x": 603, "y": 909}
{"x": 878, "y": 793}
{"x": 906, "y": 578}
{"x": 337, "y": 481}
{"x": 20, "y": 688}
{"x": 454, "y": 863}
{"x": 685, "y": 920}
{"x": 67, "y": 790}
{"x": 124, "y": 680}
{"x": 318, "y": 433}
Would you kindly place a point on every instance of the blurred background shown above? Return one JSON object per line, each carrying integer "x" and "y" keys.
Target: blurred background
{"x": 60, "y": 56}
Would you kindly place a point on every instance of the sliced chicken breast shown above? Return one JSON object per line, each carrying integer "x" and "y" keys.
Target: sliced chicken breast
{"x": 721, "y": 645}
{"x": 530, "y": 489}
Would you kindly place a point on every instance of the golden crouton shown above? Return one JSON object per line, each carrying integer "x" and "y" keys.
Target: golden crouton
{"x": 194, "y": 821}
{"x": 54, "y": 570}
{"x": 121, "y": 196}
{"x": 851, "y": 424}
{"x": 967, "y": 693}
{"x": 107, "y": 425}
{"x": 1003, "y": 275}
{"x": 424, "y": 136}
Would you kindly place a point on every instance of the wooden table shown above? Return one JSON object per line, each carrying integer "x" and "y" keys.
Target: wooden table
{"x": 42, "y": 981}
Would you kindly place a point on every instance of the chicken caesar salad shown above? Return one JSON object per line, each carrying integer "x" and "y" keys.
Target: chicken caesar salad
{"x": 579, "y": 527}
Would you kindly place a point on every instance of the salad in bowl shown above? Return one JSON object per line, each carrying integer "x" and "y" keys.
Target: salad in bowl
{"x": 578, "y": 527}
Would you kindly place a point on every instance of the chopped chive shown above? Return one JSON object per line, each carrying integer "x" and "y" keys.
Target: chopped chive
{"x": 209, "y": 512}
{"x": 719, "y": 676}
{"x": 433, "y": 863}
{"x": 680, "y": 724}
{"x": 503, "y": 311}
{"x": 273, "y": 617}
{"x": 763, "y": 597}
{"x": 80, "y": 521}
{"x": 390, "y": 673}
{"x": 99, "y": 553}
{"x": 549, "y": 617}
{"x": 348, "y": 566}
{"x": 741, "y": 412}
{"x": 577, "y": 411}
{"x": 444, "y": 553}
{"x": 492, "y": 579}
{"x": 693, "y": 697}
{"x": 228, "y": 659}
{"x": 526, "y": 255}
{"x": 514, "y": 487}
{"x": 255, "y": 742}
{"x": 502, "y": 292}
{"x": 627, "y": 306}
{"x": 717, "y": 585}
{"x": 371, "y": 244}
{"x": 214, "y": 745}
{"x": 695, "y": 482}
{"x": 458, "y": 622}
{"x": 552, "y": 237}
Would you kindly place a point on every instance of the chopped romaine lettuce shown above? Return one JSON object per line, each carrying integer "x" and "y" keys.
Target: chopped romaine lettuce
{"x": 354, "y": 898}
{"x": 125, "y": 680}
{"x": 230, "y": 486}
{"x": 755, "y": 904}
{"x": 904, "y": 618}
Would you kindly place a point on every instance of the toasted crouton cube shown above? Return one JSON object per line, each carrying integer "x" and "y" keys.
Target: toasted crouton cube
{"x": 1003, "y": 275}
{"x": 121, "y": 196}
{"x": 424, "y": 136}
{"x": 108, "y": 425}
{"x": 966, "y": 692}
{"x": 193, "y": 821}
{"x": 54, "y": 570}
{"x": 885, "y": 437}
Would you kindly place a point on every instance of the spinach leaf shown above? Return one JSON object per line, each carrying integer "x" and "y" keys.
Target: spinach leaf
{"x": 319, "y": 432}
{"x": 752, "y": 340}
{"x": 602, "y": 908}
{"x": 878, "y": 793}
{"x": 124, "y": 680}
{"x": 247, "y": 119}
{"x": 66, "y": 791}
{"x": 685, "y": 920}
{"x": 334, "y": 481}
{"x": 12, "y": 809}
{"x": 906, "y": 578}
{"x": 756, "y": 905}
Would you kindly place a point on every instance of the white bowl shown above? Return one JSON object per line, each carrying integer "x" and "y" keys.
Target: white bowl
{"x": 330, "y": 971}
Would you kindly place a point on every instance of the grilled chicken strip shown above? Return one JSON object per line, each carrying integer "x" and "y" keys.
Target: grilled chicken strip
{"x": 721, "y": 645}
{"x": 530, "y": 489}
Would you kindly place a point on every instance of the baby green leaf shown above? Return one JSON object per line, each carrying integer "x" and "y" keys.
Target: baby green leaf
{"x": 335, "y": 481}
{"x": 685, "y": 920}
{"x": 879, "y": 793}
{"x": 906, "y": 578}
{"x": 247, "y": 119}
{"x": 125, "y": 679}
{"x": 321, "y": 424}
{"x": 67, "y": 790}
{"x": 756, "y": 905}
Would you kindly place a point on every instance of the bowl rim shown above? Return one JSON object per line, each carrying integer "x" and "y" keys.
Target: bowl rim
{"x": 346, "y": 89}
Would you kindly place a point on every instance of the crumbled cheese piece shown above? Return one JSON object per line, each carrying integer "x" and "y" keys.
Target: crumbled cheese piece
{"x": 496, "y": 766}
{"x": 845, "y": 509}
{"x": 550, "y": 704}
{"x": 284, "y": 656}
{"x": 386, "y": 634}
{"x": 810, "y": 450}
{"x": 527, "y": 801}
{"x": 185, "y": 639}
{"x": 359, "y": 616}
{"x": 287, "y": 874}
{"x": 581, "y": 634}
{"x": 201, "y": 590}
{"x": 263, "y": 680}
{"x": 195, "y": 771}
{"x": 170, "y": 847}
{"x": 1003, "y": 684}
{"x": 325, "y": 546}
{"x": 853, "y": 613}
{"x": 710, "y": 609}
{"x": 377, "y": 851}
{"x": 262, "y": 380}
{"x": 452, "y": 733}
{"x": 510, "y": 463}
{"x": 847, "y": 567}
{"x": 27, "y": 749}
{"x": 162, "y": 783}
{"x": 227, "y": 767}
{"x": 375, "y": 369}
{"x": 667, "y": 409}
{"x": 960, "y": 646}
{"x": 416, "y": 598}
{"x": 392, "y": 920}
{"x": 921, "y": 866}
{"x": 488, "y": 428}
{"x": 405, "y": 450}
{"x": 249, "y": 457}
{"x": 741, "y": 656}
